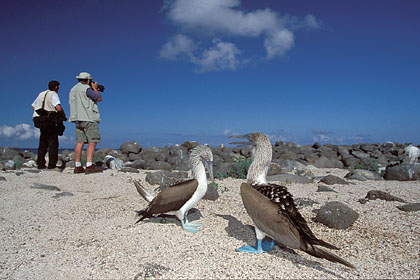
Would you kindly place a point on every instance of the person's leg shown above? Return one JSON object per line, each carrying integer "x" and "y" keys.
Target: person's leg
{"x": 94, "y": 137}
{"x": 80, "y": 142}
{"x": 52, "y": 148}
{"x": 90, "y": 153}
{"x": 78, "y": 152}
{"x": 42, "y": 148}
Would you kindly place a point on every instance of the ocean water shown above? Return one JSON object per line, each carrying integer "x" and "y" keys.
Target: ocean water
{"x": 35, "y": 150}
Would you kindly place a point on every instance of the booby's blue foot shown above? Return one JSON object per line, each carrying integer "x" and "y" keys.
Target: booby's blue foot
{"x": 190, "y": 227}
{"x": 250, "y": 249}
{"x": 267, "y": 246}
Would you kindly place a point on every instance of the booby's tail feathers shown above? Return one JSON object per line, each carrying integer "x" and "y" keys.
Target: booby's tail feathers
{"x": 143, "y": 192}
{"x": 320, "y": 253}
{"x": 143, "y": 215}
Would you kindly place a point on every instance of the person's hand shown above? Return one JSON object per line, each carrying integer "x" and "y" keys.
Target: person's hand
{"x": 94, "y": 85}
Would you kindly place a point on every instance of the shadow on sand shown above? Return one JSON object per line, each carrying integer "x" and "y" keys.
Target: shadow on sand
{"x": 193, "y": 215}
{"x": 246, "y": 234}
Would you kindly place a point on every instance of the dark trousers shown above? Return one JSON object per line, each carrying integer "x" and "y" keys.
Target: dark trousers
{"x": 48, "y": 141}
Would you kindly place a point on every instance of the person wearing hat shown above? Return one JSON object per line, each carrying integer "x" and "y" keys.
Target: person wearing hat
{"x": 84, "y": 112}
{"x": 48, "y": 139}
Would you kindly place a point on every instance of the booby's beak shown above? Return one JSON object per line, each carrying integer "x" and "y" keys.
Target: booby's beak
{"x": 209, "y": 166}
{"x": 245, "y": 136}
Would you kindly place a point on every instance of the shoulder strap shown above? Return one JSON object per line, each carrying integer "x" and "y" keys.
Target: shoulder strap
{"x": 45, "y": 96}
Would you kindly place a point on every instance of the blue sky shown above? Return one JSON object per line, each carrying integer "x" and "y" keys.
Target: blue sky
{"x": 337, "y": 72}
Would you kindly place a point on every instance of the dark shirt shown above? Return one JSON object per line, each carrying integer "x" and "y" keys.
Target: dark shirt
{"x": 92, "y": 95}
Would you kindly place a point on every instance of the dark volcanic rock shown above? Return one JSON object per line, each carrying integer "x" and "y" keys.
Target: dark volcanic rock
{"x": 44, "y": 187}
{"x": 323, "y": 162}
{"x": 129, "y": 170}
{"x": 211, "y": 193}
{"x": 57, "y": 195}
{"x": 2, "y": 178}
{"x": 304, "y": 202}
{"x": 363, "y": 175}
{"x": 410, "y": 207}
{"x": 130, "y": 147}
{"x": 165, "y": 178}
{"x": 403, "y": 172}
{"x": 332, "y": 180}
{"x": 375, "y": 194}
{"x": 160, "y": 165}
{"x": 336, "y": 215}
{"x": 137, "y": 164}
{"x": 322, "y": 188}
{"x": 7, "y": 153}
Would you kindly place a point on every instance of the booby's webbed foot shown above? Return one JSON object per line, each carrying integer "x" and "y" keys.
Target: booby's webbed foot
{"x": 267, "y": 246}
{"x": 191, "y": 227}
{"x": 261, "y": 246}
{"x": 250, "y": 249}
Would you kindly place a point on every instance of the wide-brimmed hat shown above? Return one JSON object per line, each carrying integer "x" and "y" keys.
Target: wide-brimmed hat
{"x": 84, "y": 76}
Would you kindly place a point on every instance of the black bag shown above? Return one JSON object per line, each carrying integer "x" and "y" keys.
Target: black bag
{"x": 50, "y": 119}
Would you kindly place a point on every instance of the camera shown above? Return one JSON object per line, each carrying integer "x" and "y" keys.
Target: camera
{"x": 100, "y": 88}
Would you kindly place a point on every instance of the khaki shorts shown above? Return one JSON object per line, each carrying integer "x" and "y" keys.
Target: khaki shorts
{"x": 87, "y": 132}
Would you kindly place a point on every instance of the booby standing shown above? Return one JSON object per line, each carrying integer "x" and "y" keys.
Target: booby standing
{"x": 272, "y": 209}
{"x": 179, "y": 198}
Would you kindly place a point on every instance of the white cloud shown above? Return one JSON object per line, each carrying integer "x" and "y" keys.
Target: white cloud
{"x": 219, "y": 56}
{"x": 178, "y": 45}
{"x": 224, "y": 17}
{"x": 320, "y": 135}
{"x": 226, "y": 132}
{"x": 21, "y": 131}
{"x": 222, "y": 55}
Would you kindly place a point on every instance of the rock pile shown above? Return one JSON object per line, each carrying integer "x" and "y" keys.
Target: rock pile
{"x": 365, "y": 161}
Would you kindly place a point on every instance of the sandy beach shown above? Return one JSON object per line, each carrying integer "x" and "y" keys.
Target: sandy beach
{"x": 85, "y": 230}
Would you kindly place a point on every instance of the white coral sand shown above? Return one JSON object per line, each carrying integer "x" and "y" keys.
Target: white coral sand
{"x": 92, "y": 233}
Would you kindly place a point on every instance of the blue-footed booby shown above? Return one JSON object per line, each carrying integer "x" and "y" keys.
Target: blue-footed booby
{"x": 272, "y": 208}
{"x": 179, "y": 198}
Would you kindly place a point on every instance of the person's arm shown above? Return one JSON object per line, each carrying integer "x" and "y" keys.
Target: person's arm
{"x": 93, "y": 93}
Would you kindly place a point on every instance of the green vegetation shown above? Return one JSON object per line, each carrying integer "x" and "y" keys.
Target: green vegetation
{"x": 239, "y": 170}
{"x": 369, "y": 165}
{"x": 217, "y": 187}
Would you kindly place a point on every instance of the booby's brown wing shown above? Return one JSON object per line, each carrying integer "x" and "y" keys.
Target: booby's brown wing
{"x": 265, "y": 215}
{"x": 287, "y": 223}
{"x": 172, "y": 198}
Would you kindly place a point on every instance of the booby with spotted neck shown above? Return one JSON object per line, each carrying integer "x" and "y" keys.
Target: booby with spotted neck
{"x": 272, "y": 208}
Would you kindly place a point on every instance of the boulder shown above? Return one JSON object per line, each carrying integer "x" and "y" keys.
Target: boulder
{"x": 133, "y": 157}
{"x": 376, "y": 194}
{"x": 403, "y": 172}
{"x": 160, "y": 165}
{"x": 323, "y": 162}
{"x": 27, "y": 154}
{"x": 129, "y": 170}
{"x": 137, "y": 164}
{"x": 322, "y": 188}
{"x": 211, "y": 193}
{"x": 336, "y": 215}
{"x": 130, "y": 147}
{"x": 8, "y": 153}
{"x": 360, "y": 155}
{"x": 290, "y": 165}
{"x": 332, "y": 180}
{"x": 409, "y": 207}
{"x": 165, "y": 178}
{"x": 363, "y": 175}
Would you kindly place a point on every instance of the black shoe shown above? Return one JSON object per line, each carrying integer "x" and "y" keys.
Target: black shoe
{"x": 78, "y": 170}
{"x": 93, "y": 169}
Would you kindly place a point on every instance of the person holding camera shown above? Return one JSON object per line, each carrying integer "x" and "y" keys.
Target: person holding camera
{"x": 48, "y": 102}
{"x": 84, "y": 112}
